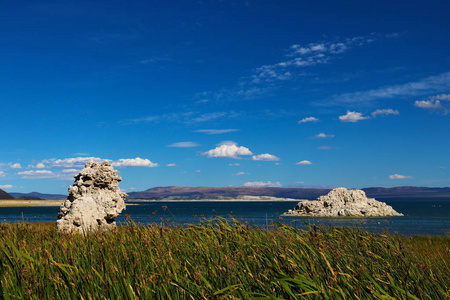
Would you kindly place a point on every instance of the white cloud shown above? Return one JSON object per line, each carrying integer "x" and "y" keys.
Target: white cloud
{"x": 233, "y": 165}
{"x": 184, "y": 145}
{"x": 324, "y": 136}
{"x": 352, "y": 116}
{"x": 265, "y": 157}
{"x": 171, "y": 165}
{"x": 37, "y": 166}
{"x": 304, "y": 162}
{"x": 228, "y": 143}
{"x": 133, "y": 162}
{"x": 445, "y": 97}
{"x": 71, "y": 162}
{"x": 307, "y": 55}
{"x": 15, "y": 166}
{"x": 38, "y": 174}
{"x": 424, "y": 86}
{"x": 70, "y": 171}
{"x": 6, "y": 186}
{"x": 208, "y": 117}
{"x": 308, "y": 119}
{"x": 324, "y": 148}
{"x": 263, "y": 184}
{"x": 431, "y": 104}
{"x": 216, "y": 131}
{"x": 230, "y": 151}
{"x": 398, "y": 176}
{"x": 240, "y": 173}
{"x": 386, "y": 112}
{"x": 2, "y": 174}
{"x": 198, "y": 171}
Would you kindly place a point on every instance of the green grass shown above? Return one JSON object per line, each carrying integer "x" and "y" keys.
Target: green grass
{"x": 220, "y": 260}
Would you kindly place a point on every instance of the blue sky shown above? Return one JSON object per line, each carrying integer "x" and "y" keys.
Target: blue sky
{"x": 225, "y": 93}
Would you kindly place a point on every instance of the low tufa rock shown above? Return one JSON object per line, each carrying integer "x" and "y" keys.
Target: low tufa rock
{"x": 341, "y": 202}
{"x": 94, "y": 200}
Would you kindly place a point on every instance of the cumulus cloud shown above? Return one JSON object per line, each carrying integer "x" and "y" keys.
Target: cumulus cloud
{"x": 184, "y": 145}
{"x": 15, "y": 166}
{"x": 324, "y": 136}
{"x": 263, "y": 184}
{"x": 352, "y": 116}
{"x": 385, "y": 112}
{"x": 308, "y": 119}
{"x": 38, "y": 174}
{"x": 230, "y": 151}
{"x": 216, "y": 131}
{"x": 6, "y": 186}
{"x": 304, "y": 162}
{"x": 430, "y": 104}
{"x": 398, "y": 176}
{"x": 171, "y": 165}
{"x": 133, "y": 162}
{"x": 265, "y": 157}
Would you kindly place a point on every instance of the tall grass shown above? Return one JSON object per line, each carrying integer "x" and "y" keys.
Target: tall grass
{"x": 220, "y": 260}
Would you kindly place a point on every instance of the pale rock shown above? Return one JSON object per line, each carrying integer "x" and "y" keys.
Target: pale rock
{"x": 341, "y": 202}
{"x": 94, "y": 200}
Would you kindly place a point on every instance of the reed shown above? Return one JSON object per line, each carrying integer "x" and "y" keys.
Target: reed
{"x": 220, "y": 260}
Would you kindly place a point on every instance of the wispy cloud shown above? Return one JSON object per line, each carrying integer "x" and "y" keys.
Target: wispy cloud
{"x": 300, "y": 56}
{"x": 437, "y": 102}
{"x": 265, "y": 157}
{"x": 216, "y": 131}
{"x": 398, "y": 176}
{"x": 352, "y": 116}
{"x": 184, "y": 145}
{"x": 171, "y": 165}
{"x": 2, "y": 174}
{"x": 38, "y": 174}
{"x": 15, "y": 166}
{"x": 79, "y": 162}
{"x": 263, "y": 184}
{"x": 324, "y": 136}
{"x": 308, "y": 119}
{"x": 304, "y": 163}
{"x": 385, "y": 112}
{"x": 431, "y": 84}
{"x": 240, "y": 173}
{"x": 6, "y": 186}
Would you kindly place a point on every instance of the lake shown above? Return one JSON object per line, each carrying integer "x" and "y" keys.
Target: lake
{"x": 421, "y": 217}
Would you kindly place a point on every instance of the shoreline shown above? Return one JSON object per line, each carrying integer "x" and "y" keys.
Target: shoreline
{"x": 30, "y": 203}
{"x": 211, "y": 200}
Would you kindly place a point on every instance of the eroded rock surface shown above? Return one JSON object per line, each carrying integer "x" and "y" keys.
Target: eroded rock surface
{"x": 94, "y": 200}
{"x": 345, "y": 203}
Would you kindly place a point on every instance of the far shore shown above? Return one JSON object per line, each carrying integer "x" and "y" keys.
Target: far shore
{"x": 213, "y": 200}
{"x": 30, "y": 203}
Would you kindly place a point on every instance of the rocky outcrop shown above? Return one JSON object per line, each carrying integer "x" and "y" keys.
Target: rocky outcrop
{"x": 94, "y": 200}
{"x": 341, "y": 202}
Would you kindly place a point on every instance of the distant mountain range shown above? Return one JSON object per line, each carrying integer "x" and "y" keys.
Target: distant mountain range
{"x": 178, "y": 192}
{"x": 38, "y": 196}
{"x": 181, "y": 193}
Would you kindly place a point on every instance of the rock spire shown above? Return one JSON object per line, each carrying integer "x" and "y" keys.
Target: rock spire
{"x": 94, "y": 200}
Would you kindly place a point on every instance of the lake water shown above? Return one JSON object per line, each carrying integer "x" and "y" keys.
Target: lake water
{"x": 421, "y": 217}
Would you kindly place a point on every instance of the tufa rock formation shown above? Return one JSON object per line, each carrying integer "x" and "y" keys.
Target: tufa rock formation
{"x": 94, "y": 200}
{"x": 341, "y": 202}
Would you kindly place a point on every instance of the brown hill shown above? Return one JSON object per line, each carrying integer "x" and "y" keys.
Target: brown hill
{"x": 5, "y": 196}
{"x": 179, "y": 192}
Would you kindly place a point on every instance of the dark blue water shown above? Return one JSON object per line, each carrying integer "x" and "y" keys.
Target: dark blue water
{"x": 421, "y": 217}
